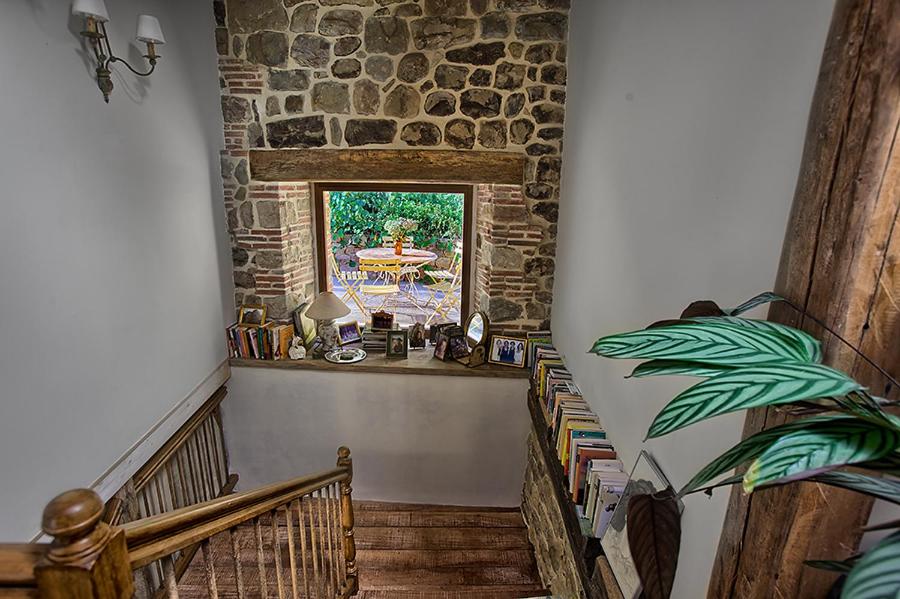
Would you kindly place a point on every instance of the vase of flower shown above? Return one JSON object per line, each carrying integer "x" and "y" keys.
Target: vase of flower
{"x": 398, "y": 229}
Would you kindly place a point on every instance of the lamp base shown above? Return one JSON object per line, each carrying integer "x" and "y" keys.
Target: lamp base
{"x": 328, "y": 333}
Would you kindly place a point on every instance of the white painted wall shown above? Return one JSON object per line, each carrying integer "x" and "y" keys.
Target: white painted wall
{"x": 684, "y": 129}
{"x": 414, "y": 438}
{"x": 114, "y": 272}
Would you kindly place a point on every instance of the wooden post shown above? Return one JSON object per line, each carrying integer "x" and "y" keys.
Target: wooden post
{"x": 840, "y": 263}
{"x": 345, "y": 461}
{"x": 87, "y": 559}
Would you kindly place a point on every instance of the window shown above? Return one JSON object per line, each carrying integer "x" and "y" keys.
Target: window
{"x": 361, "y": 227}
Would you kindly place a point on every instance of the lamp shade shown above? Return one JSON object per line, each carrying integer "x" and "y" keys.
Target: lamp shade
{"x": 327, "y": 306}
{"x": 95, "y": 9}
{"x": 149, "y": 30}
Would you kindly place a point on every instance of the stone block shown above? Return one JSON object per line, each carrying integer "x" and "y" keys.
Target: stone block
{"x": 301, "y": 132}
{"x": 453, "y": 8}
{"x": 235, "y": 109}
{"x": 460, "y": 134}
{"x": 495, "y": 25}
{"x": 478, "y": 103}
{"x": 421, "y": 134}
{"x": 387, "y": 35}
{"x": 509, "y": 75}
{"x": 412, "y": 67}
{"x": 492, "y": 134}
{"x": 542, "y": 26}
{"x": 248, "y": 16}
{"x": 451, "y": 77}
{"x": 338, "y": 22}
{"x": 379, "y": 68}
{"x": 331, "y": 97}
{"x": 346, "y": 68}
{"x": 289, "y": 80}
{"x": 478, "y": 54}
{"x": 347, "y": 45}
{"x": 267, "y": 47}
{"x": 303, "y": 19}
{"x": 440, "y": 103}
{"x": 436, "y": 33}
{"x": 402, "y": 102}
{"x": 310, "y": 50}
{"x": 366, "y": 97}
{"x": 360, "y": 132}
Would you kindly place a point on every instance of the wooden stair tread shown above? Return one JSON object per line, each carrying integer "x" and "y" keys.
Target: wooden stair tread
{"x": 418, "y": 518}
{"x": 474, "y": 592}
{"x": 385, "y": 506}
{"x": 421, "y": 537}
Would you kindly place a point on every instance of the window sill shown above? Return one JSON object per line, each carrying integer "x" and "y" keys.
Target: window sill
{"x": 419, "y": 362}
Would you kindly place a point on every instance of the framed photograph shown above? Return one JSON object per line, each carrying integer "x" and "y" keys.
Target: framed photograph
{"x": 417, "y": 335}
{"x": 508, "y": 351}
{"x": 646, "y": 478}
{"x": 397, "y": 344}
{"x": 458, "y": 347}
{"x": 349, "y": 332}
{"x": 382, "y": 320}
{"x": 440, "y": 348}
{"x": 304, "y": 326}
{"x": 435, "y": 331}
{"x": 252, "y": 314}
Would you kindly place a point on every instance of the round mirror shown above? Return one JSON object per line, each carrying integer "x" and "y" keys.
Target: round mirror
{"x": 476, "y": 329}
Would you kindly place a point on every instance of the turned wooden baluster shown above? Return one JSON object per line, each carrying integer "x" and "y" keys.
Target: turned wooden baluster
{"x": 87, "y": 559}
{"x": 345, "y": 461}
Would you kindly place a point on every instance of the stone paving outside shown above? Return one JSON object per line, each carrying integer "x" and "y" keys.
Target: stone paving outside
{"x": 405, "y": 309}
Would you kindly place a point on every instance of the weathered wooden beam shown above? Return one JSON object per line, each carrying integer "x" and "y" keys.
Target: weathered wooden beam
{"x": 446, "y": 166}
{"x": 840, "y": 263}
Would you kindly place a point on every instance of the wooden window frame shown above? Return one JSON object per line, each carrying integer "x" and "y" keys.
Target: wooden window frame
{"x": 467, "y": 191}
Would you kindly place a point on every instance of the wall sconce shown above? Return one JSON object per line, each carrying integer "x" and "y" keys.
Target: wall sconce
{"x": 95, "y": 17}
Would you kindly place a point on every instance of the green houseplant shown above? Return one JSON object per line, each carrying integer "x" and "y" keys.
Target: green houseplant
{"x": 845, "y": 437}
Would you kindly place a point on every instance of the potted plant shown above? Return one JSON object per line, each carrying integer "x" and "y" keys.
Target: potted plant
{"x": 843, "y": 436}
{"x": 398, "y": 229}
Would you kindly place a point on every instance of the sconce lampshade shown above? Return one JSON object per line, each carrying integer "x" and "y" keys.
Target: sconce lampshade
{"x": 327, "y": 306}
{"x": 149, "y": 30}
{"x": 95, "y": 9}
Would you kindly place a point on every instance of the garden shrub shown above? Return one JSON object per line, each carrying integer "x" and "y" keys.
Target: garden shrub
{"x": 358, "y": 217}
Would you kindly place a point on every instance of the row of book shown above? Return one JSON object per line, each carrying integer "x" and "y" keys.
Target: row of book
{"x": 374, "y": 340}
{"x": 593, "y": 473}
{"x": 270, "y": 341}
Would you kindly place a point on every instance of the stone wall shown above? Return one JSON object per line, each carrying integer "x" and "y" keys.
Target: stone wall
{"x": 546, "y": 529}
{"x": 483, "y": 75}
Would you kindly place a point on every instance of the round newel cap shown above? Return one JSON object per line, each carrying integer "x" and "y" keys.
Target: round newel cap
{"x": 343, "y": 452}
{"x": 72, "y": 514}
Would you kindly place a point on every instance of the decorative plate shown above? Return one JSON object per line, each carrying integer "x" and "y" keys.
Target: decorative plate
{"x": 345, "y": 356}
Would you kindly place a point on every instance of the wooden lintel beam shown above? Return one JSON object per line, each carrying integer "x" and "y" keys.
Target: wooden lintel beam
{"x": 444, "y": 166}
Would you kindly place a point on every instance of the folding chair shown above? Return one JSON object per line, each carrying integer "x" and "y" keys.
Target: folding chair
{"x": 386, "y": 284}
{"x": 408, "y": 272}
{"x": 350, "y": 280}
{"x": 448, "y": 287}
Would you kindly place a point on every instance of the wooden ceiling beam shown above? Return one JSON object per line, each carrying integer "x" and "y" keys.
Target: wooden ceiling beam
{"x": 444, "y": 166}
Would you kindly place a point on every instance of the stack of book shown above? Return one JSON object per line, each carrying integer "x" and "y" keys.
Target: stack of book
{"x": 375, "y": 340}
{"x": 270, "y": 341}
{"x": 594, "y": 475}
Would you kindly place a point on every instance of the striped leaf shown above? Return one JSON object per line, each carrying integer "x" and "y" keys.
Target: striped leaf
{"x": 889, "y": 464}
{"x": 812, "y": 349}
{"x": 831, "y": 565}
{"x": 805, "y": 453}
{"x": 676, "y": 367}
{"x": 882, "y": 488}
{"x": 877, "y": 574}
{"x": 751, "y": 448}
{"x": 708, "y": 342}
{"x": 742, "y": 388}
{"x": 762, "y": 298}
{"x": 654, "y": 539}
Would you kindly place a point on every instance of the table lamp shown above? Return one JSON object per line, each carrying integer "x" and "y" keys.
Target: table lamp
{"x": 326, "y": 307}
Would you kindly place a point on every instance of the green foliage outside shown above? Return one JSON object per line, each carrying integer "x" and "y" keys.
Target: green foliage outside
{"x": 358, "y": 217}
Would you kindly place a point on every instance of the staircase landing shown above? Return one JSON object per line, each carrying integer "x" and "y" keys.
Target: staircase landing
{"x": 412, "y": 551}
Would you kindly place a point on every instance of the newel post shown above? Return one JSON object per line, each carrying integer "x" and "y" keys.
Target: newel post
{"x": 87, "y": 558}
{"x": 345, "y": 461}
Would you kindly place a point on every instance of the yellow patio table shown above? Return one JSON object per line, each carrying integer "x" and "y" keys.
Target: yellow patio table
{"x": 411, "y": 257}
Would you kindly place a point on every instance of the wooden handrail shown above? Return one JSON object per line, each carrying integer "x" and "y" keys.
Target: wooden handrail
{"x": 152, "y": 538}
{"x": 17, "y": 562}
{"x": 164, "y": 454}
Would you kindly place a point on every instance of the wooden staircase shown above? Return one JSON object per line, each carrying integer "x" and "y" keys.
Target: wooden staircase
{"x": 412, "y": 551}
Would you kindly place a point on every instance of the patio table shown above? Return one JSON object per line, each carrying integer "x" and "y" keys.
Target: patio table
{"x": 410, "y": 257}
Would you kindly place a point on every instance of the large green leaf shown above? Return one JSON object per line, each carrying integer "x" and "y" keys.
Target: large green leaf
{"x": 762, "y": 298}
{"x": 752, "y": 387}
{"x": 804, "y": 453}
{"x": 877, "y": 574}
{"x": 812, "y": 349}
{"x": 677, "y": 367}
{"x": 751, "y": 448}
{"x": 882, "y": 488}
{"x": 709, "y": 342}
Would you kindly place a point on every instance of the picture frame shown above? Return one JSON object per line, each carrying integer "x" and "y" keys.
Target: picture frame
{"x": 397, "y": 344}
{"x": 417, "y": 338}
{"x": 252, "y": 314}
{"x": 646, "y": 478}
{"x": 435, "y": 331}
{"x": 304, "y": 326}
{"x": 382, "y": 320}
{"x": 458, "y": 346}
{"x": 349, "y": 332}
{"x": 440, "y": 348}
{"x": 507, "y": 351}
